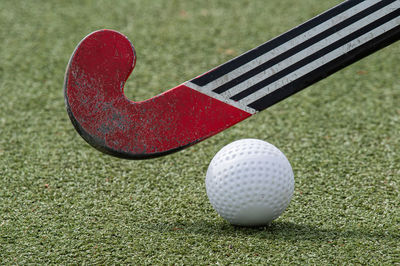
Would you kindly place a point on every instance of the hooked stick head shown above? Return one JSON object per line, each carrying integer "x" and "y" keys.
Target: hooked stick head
{"x": 106, "y": 119}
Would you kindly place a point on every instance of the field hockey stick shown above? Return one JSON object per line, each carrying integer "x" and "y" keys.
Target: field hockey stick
{"x": 223, "y": 96}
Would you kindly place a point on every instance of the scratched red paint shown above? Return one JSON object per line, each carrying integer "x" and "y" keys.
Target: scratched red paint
{"x": 168, "y": 122}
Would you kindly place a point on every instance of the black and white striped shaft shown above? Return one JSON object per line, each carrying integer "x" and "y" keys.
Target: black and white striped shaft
{"x": 304, "y": 55}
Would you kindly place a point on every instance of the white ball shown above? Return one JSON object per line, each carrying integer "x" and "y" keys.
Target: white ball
{"x": 249, "y": 182}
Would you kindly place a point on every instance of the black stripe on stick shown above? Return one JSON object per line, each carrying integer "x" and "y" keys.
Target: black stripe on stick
{"x": 264, "y": 48}
{"x": 318, "y": 74}
{"x": 302, "y": 46}
{"x": 262, "y": 84}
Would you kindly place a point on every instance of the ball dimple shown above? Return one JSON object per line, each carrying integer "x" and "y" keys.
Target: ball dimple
{"x": 249, "y": 182}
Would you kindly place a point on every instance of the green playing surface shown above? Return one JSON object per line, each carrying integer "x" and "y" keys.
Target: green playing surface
{"x": 63, "y": 202}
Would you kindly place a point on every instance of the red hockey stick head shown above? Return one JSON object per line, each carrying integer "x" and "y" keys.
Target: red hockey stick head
{"x": 106, "y": 119}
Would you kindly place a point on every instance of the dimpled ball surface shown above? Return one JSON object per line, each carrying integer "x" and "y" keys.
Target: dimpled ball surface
{"x": 249, "y": 182}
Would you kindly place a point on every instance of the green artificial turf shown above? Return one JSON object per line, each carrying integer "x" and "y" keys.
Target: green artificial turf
{"x": 63, "y": 202}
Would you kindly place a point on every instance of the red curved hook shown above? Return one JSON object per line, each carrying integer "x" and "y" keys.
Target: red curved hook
{"x": 106, "y": 119}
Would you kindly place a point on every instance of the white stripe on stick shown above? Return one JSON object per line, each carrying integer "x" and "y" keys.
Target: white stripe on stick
{"x": 321, "y": 61}
{"x": 288, "y": 45}
{"x": 311, "y": 50}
